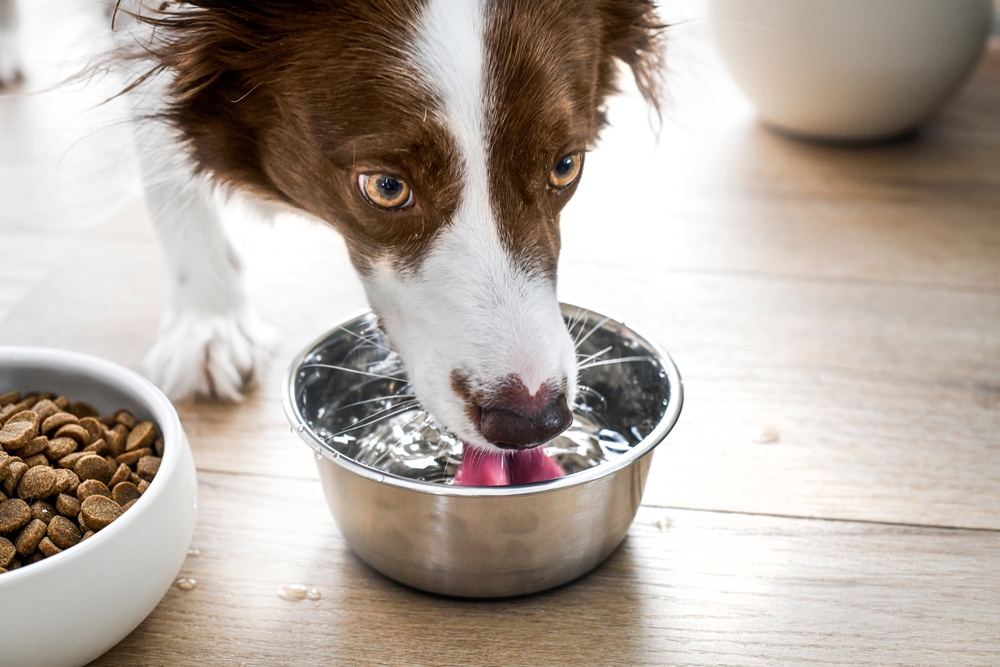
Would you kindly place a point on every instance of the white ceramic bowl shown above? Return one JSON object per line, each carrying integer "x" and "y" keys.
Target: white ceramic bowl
{"x": 849, "y": 70}
{"x": 69, "y": 609}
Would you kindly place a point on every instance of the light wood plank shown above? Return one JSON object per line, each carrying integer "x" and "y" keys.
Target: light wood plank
{"x": 707, "y": 589}
{"x": 721, "y": 193}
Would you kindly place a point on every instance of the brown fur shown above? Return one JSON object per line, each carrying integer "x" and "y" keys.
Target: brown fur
{"x": 292, "y": 100}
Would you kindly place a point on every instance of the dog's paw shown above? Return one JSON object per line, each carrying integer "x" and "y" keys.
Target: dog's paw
{"x": 215, "y": 356}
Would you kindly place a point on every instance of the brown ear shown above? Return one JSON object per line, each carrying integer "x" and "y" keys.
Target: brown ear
{"x": 633, "y": 34}
{"x": 218, "y": 97}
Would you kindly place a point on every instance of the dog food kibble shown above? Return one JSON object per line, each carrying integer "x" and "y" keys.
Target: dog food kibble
{"x": 66, "y": 472}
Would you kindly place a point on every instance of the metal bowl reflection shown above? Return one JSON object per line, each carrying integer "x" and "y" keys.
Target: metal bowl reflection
{"x": 481, "y": 541}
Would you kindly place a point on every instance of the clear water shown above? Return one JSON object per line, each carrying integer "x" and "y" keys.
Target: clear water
{"x": 409, "y": 444}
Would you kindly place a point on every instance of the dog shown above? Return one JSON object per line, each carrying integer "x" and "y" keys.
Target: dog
{"x": 441, "y": 138}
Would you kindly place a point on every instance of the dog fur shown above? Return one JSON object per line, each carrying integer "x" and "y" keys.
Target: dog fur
{"x": 471, "y": 103}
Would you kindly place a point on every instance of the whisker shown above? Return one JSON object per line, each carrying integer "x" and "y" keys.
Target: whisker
{"x": 351, "y": 370}
{"x": 581, "y": 322}
{"x": 363, "y": 338}
{"x": 372, "y": 419}
{"x": 575, "y": 320}
{"x": 591, "y": 332}
{"x": 372, "y": 400}
{"x": 607, "y": 362}
{"x": 592, "y": 356}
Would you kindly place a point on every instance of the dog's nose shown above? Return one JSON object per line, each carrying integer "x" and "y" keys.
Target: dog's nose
{"x": 517, "y": 419}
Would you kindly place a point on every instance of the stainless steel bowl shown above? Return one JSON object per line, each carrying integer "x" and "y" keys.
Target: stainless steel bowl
{"x": 484, "y": 541}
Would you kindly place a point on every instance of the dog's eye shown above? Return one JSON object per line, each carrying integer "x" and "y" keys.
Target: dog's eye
{"x": 385, "y": 191}
{"x": 566, "y": 171}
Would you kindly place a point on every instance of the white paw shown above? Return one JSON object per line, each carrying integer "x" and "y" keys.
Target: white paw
{"x": 216, "y": 356}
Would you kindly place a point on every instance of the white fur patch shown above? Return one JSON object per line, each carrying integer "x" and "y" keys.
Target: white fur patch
{"x": 471, "y": 307}
{"x": 210, "y": 342}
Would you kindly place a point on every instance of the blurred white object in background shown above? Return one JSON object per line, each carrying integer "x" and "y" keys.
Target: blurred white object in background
{"x": 849, "y": 70}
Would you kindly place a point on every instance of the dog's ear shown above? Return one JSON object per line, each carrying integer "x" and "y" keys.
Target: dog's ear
{"x": 217, "y": 55}
{"x": 634, "y": 34}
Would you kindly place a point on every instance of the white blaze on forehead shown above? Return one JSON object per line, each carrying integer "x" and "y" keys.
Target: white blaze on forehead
{"x": 450, "y": 52}
{"x": 470, "y": 307}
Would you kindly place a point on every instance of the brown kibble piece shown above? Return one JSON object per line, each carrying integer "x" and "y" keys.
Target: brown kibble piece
{"x": 25, "y": 416}
{"x": 37, "y": 483}
{"x": 63, "y": 532}
{"x": 67, "y": 505}
{"x": 47, "y": 547}
{"x": 66, "y": 481}
{"x": 131, "y": 458}
{"x": 92, "y": 466}
{"x": 75, "y": 431}
{"x": 99, "y": 512}
{"x": 36, "y": 460}
{"x": 125, "y": 418}
{"x": 60, "y": 447}
{"x": 9, "y": 397}
{"x": 115, "y": 440}
{"x": 4, "y": 462}
{"x": 58, "y": 420}
{"x": 86, "y": 535}
{"x": 44, "y": 409}
{"x": 142, "y": 436}
{"x": 122, "y": 474}
{"x": 129, "y": 504}
{"x": 99, "y": 447}
{"x": 16, "y": 435}
{"x": 29, "y": 537}
{"x": 5, "y": 412}
{"x": 82, "y": 409}
{"x": 69, "y": 461}
{"x": 7, "y": 552}
{"x": 94, "y": 428}
{"x": 36, "y": 446}
{"x": 14, "y": 515}
{"x": 147, "y": 467}
{"x": 42, "y": 511}
{"x": 158, "y": 446}
{"x": 61, "y": 402}
{"x": 15, "y": 469}
{"x": 92, "y": 487}
{"x": 34, "y": 557}
{"x": 142, "y": 486}
{"x": 125, "y": 492}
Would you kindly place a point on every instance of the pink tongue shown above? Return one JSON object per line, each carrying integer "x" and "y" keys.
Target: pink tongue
{"x": 494, "y": 469}
{"x": 533, "y": 465}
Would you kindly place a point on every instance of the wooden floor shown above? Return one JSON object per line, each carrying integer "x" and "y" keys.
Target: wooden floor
{"x": 846, "y": 300}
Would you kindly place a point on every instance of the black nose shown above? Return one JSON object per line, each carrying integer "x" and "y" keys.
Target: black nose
{"x": 516, "y": 419}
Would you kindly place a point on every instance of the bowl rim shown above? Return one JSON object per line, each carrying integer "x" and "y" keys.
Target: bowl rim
{"x": 645, "y": 446}
{"x": 144, "y": 392}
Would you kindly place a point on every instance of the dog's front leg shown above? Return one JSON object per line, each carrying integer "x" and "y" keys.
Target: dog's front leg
{"x": 10, "y": 52}
{"x": 210, "y": 343}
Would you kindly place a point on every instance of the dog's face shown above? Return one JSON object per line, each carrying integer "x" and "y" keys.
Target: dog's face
{"x": 442, "y": 138}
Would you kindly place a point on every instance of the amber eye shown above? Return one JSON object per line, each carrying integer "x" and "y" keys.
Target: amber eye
{"x": 566, "y": 171}
{"x": 385, "y": 191}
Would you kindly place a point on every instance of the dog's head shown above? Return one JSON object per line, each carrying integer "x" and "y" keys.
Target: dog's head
{"x": 442, "y": 138}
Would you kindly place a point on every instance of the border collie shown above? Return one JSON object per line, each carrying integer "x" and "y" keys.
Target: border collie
{"x": 441, "y": 138}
